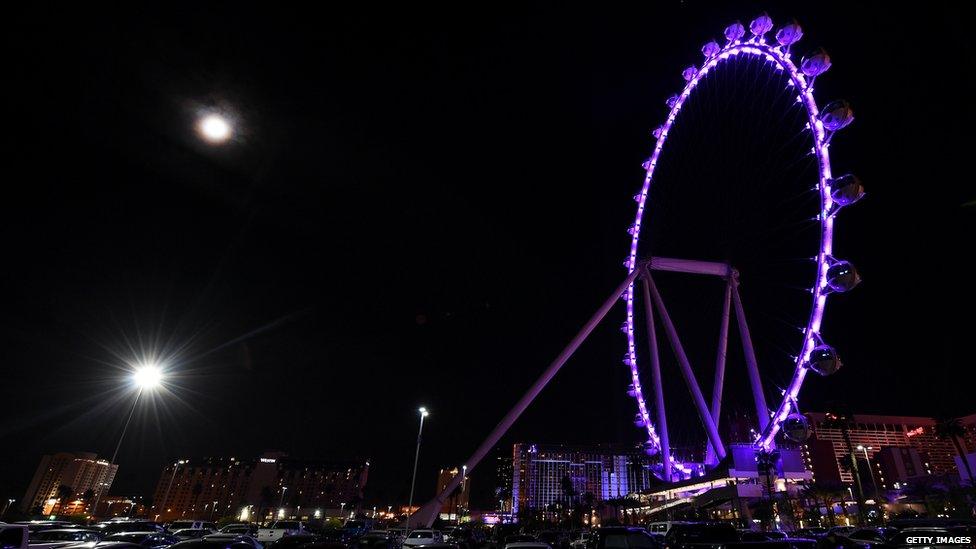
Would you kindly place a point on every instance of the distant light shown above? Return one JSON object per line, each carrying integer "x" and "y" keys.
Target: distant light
{"x": 148, "y": 376}
{"x": 214, "y": 128}
{"x": 423, "y": 411}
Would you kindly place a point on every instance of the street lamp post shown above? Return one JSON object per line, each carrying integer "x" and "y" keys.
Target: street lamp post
{"x": 874, "y": 482}
{"x": 416, "y": 457}
{"x": 176, "y": 466}
{"x": 146, "y": 377}
{"x": 7, "y": 506}
{"x": 281, "y": 502}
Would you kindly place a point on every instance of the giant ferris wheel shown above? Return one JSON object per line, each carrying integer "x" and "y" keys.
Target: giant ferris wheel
{"x": 755, "y": 71}
{"x": 826, "y": 275}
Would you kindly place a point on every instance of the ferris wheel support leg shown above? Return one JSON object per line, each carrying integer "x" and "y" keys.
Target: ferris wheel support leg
{"x": 723, "y": 345}
{"x": 706, "y": 417}
{"x": 762, "y": 412}
{"x": 429, "y": 511}
{"x": 662, "y": 418}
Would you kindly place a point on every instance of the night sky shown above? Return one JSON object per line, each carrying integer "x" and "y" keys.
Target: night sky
{"x": 421, "y": 207}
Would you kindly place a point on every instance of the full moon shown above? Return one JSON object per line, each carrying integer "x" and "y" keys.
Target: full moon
{"x": 214, "y": 128}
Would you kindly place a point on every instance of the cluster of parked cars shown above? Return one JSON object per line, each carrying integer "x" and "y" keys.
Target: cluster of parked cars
{"x": 718, "y": 535}
{"x": 290, "y": 534}
{"x": 127, "y": 534}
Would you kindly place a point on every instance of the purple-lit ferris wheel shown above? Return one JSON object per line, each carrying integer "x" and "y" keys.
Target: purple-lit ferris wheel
{"x": 823, "y": 273}
{"x": 831, "y": 274}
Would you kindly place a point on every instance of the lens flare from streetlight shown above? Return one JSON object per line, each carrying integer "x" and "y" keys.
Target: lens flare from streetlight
{"x": 214, "y": 128}
{"x": 147, "y": 377}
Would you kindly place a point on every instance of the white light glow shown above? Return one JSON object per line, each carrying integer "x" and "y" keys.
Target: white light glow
{"x": 148, "y": 376}
{"x": 214, "y": 128}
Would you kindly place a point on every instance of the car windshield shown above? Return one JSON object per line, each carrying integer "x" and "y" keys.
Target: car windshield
{"x": 285, "y": 524}
{"x": 181, "y": 525}
{"x": 236, "y": 529}
{"x": 629, "y": 540}
{"x": 421, "y": 534}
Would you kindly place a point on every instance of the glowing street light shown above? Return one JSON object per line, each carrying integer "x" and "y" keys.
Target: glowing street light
{"x": 423, "y": 414}
{"x": 147, "y": 377}
{"x": 214, "y": 128}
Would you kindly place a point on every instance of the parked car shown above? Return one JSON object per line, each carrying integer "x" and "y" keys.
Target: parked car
{"x": 240, "y": 529}
{"x": 840, "y": 530}
{"x": 240, "y": 542}
{"x": 234, "y": 539}
{"x": 700, "y": 535}
{"x": 59, "y": 537}
{"x": 191, "y": 525}
{"x": 117, "y": 527}
{"x": 378, "y": 539}
{"x": 623, "y": 537}
{"x": 663, "y": 526}
{"x": 192, "y": 533}
{"x": 280, "y": 529}
{"x": 356, "y": 528}
{"x": 38, "y": 525}
{"x": 528, "y": 545}
{"x": 143, "y": 539}
{"x": 13, "y": 536}
{"x": 554, "y": 538}
{"x": 518, "y": 538}
{"x": 756, "y": 535}
{"x": 423, "y": 537}
{"x": 871, "y": 536}
{"x": 579, "y": 540}
{"x": 810, "y": 533}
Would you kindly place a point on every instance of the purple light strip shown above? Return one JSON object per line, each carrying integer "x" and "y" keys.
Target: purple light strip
{"x": 782, "y": 59}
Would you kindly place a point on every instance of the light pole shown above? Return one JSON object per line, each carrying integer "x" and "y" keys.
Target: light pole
{"x": 464, "y": 486}
{"x": 7, "y": 506}
{"x": 416, "y": 457}
{"x": 146, "y": 377}
{"x": 281, "y": 502}
{"x": 877, "y": 494}
{"x": 176, "y": 466}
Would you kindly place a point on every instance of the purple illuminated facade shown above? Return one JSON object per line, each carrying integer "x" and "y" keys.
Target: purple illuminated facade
{"x": 801, "y": 79}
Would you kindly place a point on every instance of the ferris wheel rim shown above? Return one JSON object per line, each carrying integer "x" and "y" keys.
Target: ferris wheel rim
{"x": 781, "y": 57}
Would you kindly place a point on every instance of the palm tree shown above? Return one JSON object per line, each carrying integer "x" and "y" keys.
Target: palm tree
{"x": 826, "y": 493}
{"x": 569, "y": 491}
{"x": 196, "y": 491}
{"x": 64, "y": 493}
{"x": 87, "y": 497}
{"x": 949, "y": 428}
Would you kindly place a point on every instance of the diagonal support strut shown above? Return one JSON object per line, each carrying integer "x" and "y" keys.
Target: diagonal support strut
{"x": 696, "y": 394}
{"x": 428, "y": 512}
{"x": 662, "y": 418}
